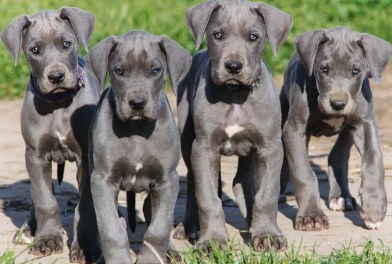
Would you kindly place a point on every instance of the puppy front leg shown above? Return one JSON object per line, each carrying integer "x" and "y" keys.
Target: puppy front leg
{"x": 48, "y": 236}
{"x": 113, "y": 234}
{"x": 156, "y": 239}
{"x": 372, "y": 190}
{"x": 205, "y": 165}
{"x": 264, "y": 228}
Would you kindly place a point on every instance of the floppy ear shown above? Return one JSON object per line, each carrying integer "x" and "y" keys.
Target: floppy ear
{"x": 98, "y": 57}
{"x": 82, "y": 23}
{"x": 378, "y": 52}
{"x": 306, "y": 45}
{"x": 277, "y": 23}
{"x": 12, "y": 35}
{"x": 178, "y": 61}
{"x": 197, "y": 18}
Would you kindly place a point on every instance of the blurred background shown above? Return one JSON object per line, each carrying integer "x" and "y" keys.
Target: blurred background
{"x": 167, "y": 17}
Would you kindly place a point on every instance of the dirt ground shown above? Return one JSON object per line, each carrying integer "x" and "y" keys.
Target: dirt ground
{"x": 345, "y": 227}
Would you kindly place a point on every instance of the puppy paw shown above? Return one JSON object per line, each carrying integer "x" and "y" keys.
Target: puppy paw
{"x": 373, "y": 208}
{"x": 372, "y": 218}
{"x": 89, "y": 253}
{"x": 311, "y": 223}
{"x": 373, "y": 226}
{"x": 47, "y": 245}
{"x": 76, "y": 255}
{"x": 342, "y": 204}
{"x": 23, "y": 236}
{"x": 265, "y": 242}
{"x": 181, "y": 233}
{"x": 208, "y": 245}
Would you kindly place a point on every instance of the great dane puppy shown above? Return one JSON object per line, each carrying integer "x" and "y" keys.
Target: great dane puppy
{"x": 326, "y": 92}
{"x": 227, "y": 105}
{"x": 135, "y": 142}
{"x": 59, "y": 102}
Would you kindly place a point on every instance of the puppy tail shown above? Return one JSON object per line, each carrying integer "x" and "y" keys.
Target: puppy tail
{"x": 60, "y": 172}
{"x": 131, "y": 209}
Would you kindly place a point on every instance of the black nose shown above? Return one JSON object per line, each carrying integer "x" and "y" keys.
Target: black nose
{"x": 233, "y": 66}
{"x": 137, "y": 103}
{"x": 56, "y": 77}
{"x": 338, "y": 104}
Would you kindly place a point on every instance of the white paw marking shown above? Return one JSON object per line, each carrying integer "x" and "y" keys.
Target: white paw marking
{"x": 373, "y": 226}
{"x": 23, "y": 239}
{"x": 139, "y": 166}
{"x": 231, "y": 130}
{"x": 336, "y": 122}
{"x": 337, "y": 204}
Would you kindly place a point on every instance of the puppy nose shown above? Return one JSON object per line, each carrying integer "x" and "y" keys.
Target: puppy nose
{"x": 137, "y": 103}
{"x": 56, "y": 77}
{"x": 338, "y": 105}
{"x": 233, "y": 66}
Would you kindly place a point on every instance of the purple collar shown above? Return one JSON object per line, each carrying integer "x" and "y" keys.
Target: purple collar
{"x": 55, "y": 98}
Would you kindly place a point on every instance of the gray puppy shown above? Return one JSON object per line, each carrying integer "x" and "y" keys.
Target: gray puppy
{"x": 326, "y": 92}
{"x": 135, "y": 143}
{"x": 227, "y": 105}
{"x": 59, "y": 102}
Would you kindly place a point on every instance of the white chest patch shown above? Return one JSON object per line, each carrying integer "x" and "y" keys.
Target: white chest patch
{"x": 232, "y": 130}
{"x": 139, "y": 166}
{"x": 336, "y": 122}
{"x": 61, "y": 138}
{"x": 133, "y": 180}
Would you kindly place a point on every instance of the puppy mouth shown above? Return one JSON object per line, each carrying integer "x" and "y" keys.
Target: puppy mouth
{"x": 243, "y": 83}
{"x": 139, "y": 117}
{"x": 56, "y": 90}
{"x": 60, "y": 90}
{"x": 233, "y": 82}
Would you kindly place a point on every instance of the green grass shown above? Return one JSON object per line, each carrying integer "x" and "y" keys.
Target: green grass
{"x": 167, "y": 17}
{"x": 234, "y": 254}
{"x": 369, "y": 253}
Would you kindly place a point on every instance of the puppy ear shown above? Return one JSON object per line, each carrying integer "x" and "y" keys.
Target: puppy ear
{"x": 12, "y": 35}
{"x": 178, "y": 61}
{"x": 98, "y": 57}
{"x": 277, "y": 23}
{"x": 378, "y": 52}
{"x": 82, "y": 23}
{"x": 306, "y": 45}
{"x": 197, "y": 18}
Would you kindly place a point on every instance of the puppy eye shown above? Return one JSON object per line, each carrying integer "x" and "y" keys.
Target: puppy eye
{"x": 66, "y": 44}
{"x": 355, "y": 71}
{"x": 119, "y": 71}
{"x": 34, "y": 50}
{"x": 324, "y": 69}
{"x": 155, "y": 71}
{"x": 218, "y": 35}
{"x": 253, "y": 37}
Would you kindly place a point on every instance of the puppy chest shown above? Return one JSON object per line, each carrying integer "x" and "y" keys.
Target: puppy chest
{"x": 59, "y": 147}
{"x": 138, "y": 176}
{"x": 234, "y": 139}
{"x": 329, "y": 126}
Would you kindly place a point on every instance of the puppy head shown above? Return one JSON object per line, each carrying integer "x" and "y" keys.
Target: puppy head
{"x": 137, "y": 63}
{"x": 50, "y": 40}
{"x": 237, "y": 32}
{"x": 340, "y": 59}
